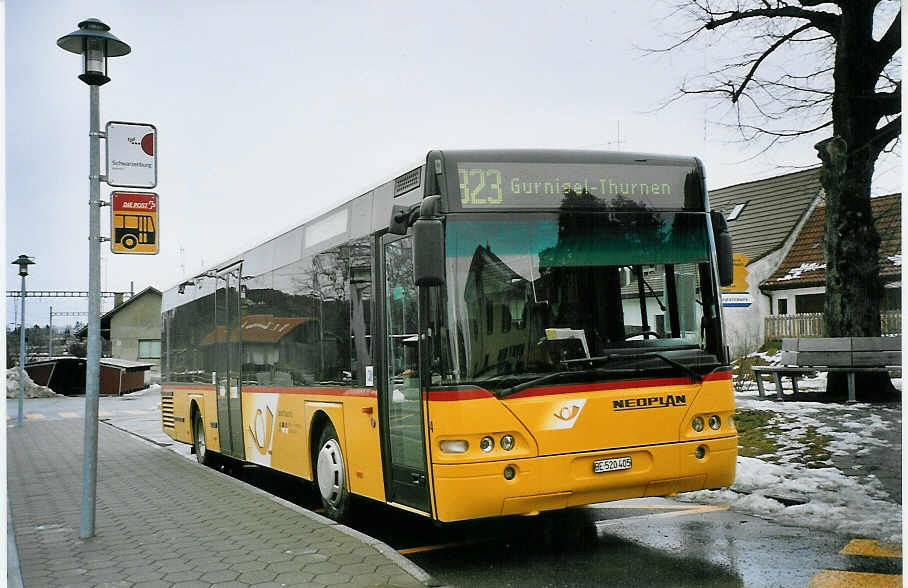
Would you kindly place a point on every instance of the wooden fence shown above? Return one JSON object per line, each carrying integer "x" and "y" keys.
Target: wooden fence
{"x": 813, "y": 325}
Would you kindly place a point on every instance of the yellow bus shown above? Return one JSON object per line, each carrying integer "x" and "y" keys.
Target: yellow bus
{"x": 496, "y": 332}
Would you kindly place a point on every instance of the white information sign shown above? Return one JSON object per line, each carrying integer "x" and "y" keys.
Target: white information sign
{"x": 737, "y": 299}
{"x": 132, "y": 155}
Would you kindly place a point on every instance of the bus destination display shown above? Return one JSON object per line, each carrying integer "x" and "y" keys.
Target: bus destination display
{"x": 546, "y": 185}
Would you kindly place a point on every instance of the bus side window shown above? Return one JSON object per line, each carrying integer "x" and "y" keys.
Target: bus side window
{"x": 359, "y": 296}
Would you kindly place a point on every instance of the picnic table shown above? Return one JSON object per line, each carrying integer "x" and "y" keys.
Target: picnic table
{"x": 851, "y": 355}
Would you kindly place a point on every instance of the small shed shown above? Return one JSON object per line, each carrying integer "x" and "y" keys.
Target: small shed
{"x": 66, "y": 375}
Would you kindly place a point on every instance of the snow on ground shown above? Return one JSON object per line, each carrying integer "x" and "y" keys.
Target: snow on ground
{"x": 32, "y": 390}
{"x": 833, "y": 501}
{"x": 150, "y": 390}
{"x": 800, "y": 471}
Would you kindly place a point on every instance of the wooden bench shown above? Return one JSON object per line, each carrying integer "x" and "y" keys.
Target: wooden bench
{"x": 850, "y": 355}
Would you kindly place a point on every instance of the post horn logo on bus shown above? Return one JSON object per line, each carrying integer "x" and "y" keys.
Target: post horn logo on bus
{"x": 134, "y": 223}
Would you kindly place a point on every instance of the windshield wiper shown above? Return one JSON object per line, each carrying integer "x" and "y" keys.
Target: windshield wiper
{"x": 598, "y": 371}
{"x": 686, "y": 368}
{"x": 605, "y": 358}
{"x": 601, "y": 372}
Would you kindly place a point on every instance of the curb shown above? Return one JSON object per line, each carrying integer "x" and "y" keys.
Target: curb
{"x": 13, "y": 570}
{"x": 419, "y": 574}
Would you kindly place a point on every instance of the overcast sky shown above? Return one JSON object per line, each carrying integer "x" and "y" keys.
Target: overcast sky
{"x": 268, "y": 112}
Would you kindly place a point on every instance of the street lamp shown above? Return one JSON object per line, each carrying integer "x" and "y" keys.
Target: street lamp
{"x": 95, "y": 43}
{"x": 23, "y": 262}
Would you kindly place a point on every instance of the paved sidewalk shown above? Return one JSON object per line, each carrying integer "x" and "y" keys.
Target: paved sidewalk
{"x": 163, "y": 520}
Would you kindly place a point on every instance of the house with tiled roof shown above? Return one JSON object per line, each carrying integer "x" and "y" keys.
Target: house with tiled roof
{"x": 764, "y": 218}
{"x": 798, "y": 284}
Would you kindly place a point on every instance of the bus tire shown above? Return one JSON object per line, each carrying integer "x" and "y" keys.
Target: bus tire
{"x": 202, "y": 454}
{"x": 331, "y": 475}
{"x": 129, "y": 241}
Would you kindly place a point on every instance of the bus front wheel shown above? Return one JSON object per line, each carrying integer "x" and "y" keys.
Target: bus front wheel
{"x": 331, "y": 476}
{"x": 202, "y": 454}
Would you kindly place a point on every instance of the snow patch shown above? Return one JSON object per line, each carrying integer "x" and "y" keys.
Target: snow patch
{"x": 832, "y": 500}
{"x": 32, "y": 390}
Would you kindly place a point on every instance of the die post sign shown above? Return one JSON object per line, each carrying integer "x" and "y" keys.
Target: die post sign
{"x": 134, "y": 223}
{"x": 132, "y": 155}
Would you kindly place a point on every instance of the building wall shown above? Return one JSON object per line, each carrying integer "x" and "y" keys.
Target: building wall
{"x": 744, "y": 328}
{"x": 140, "y": 319}
{"x": 791, "y": 296}
{"x": 744, "y": 325}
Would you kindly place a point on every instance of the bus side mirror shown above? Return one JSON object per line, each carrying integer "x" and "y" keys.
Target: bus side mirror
{"x": 400, "y": 219}
{"x": 429, "y": 256}
{"x": 723, "y": 249}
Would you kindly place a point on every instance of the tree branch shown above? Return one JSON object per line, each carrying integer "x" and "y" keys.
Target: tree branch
{"x": 766, "y": 54}
{"x": 825, "y": 21}
{"x": 784, "y": 134}
{"x": 888, "y": 103}
{"x": 885, "y": 135}
{"x": 888, "y": 45}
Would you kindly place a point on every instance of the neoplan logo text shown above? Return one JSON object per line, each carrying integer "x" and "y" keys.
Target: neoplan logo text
{"x": 650, "y": 402}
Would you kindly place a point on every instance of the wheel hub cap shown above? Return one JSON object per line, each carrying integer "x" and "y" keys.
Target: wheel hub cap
{"x": 331, "y": 472}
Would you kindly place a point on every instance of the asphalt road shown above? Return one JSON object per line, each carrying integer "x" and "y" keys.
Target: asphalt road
{"x": 647, "y": 542}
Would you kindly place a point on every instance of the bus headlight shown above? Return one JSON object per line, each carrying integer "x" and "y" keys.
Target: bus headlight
{"x": 454, "y": 446}
{"x": 507, "y": 442}
{"x": 486, "y": 443}
{"x": 715, "y": 422}
{"x": 697, "y": 424}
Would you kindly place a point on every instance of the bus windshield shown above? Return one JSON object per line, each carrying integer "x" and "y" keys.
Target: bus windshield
{"x": 549, "y": 293}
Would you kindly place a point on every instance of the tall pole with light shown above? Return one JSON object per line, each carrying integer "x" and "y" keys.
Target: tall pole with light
{"x": 95, "y": 43}
{"x": 23, "y": 262}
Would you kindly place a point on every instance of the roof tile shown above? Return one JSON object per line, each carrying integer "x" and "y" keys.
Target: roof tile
{"x": 805, "y": 264}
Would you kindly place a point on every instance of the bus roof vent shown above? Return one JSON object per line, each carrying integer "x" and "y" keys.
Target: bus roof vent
{"x": 406, "y": 182}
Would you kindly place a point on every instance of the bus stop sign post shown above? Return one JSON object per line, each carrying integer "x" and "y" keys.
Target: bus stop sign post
{"x": 93, "y": 41}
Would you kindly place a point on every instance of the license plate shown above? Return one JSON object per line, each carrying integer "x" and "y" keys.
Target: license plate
{"x": 614, "y": 464}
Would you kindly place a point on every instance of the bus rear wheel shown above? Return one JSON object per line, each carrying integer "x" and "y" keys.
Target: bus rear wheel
{"x": 331, "y": 476}
{"x": 129, "y": 241}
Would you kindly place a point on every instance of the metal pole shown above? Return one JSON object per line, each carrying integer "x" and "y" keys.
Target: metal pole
{"x": 50, "y": 335}
{"x": 93, "y": 358}
{"x": 19, "y": 418}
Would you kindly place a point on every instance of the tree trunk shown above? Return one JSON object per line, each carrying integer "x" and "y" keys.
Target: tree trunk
{"x": 851, "y": 243}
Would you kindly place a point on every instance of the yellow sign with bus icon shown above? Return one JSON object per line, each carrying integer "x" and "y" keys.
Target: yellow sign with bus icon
{"x": 134, "y": 223}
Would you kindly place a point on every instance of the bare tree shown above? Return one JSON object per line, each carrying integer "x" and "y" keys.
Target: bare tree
{"x": 819, "y": 70}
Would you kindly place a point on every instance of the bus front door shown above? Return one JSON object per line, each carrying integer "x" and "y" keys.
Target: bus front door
{"x": 229, "y": 362}
{"x": 401, "y": 404}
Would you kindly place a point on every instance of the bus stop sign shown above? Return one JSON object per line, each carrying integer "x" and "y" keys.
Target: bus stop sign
{"x": 132, "y": 154}
{"x": 134, "y": 223}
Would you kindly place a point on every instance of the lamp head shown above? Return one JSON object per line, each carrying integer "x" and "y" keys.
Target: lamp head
{"x": 95, "y": 43}
{"x": 23, "y": 261}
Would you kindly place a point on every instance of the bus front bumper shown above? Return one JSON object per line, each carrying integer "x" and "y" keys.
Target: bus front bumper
{"x": 476, "y": 490}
